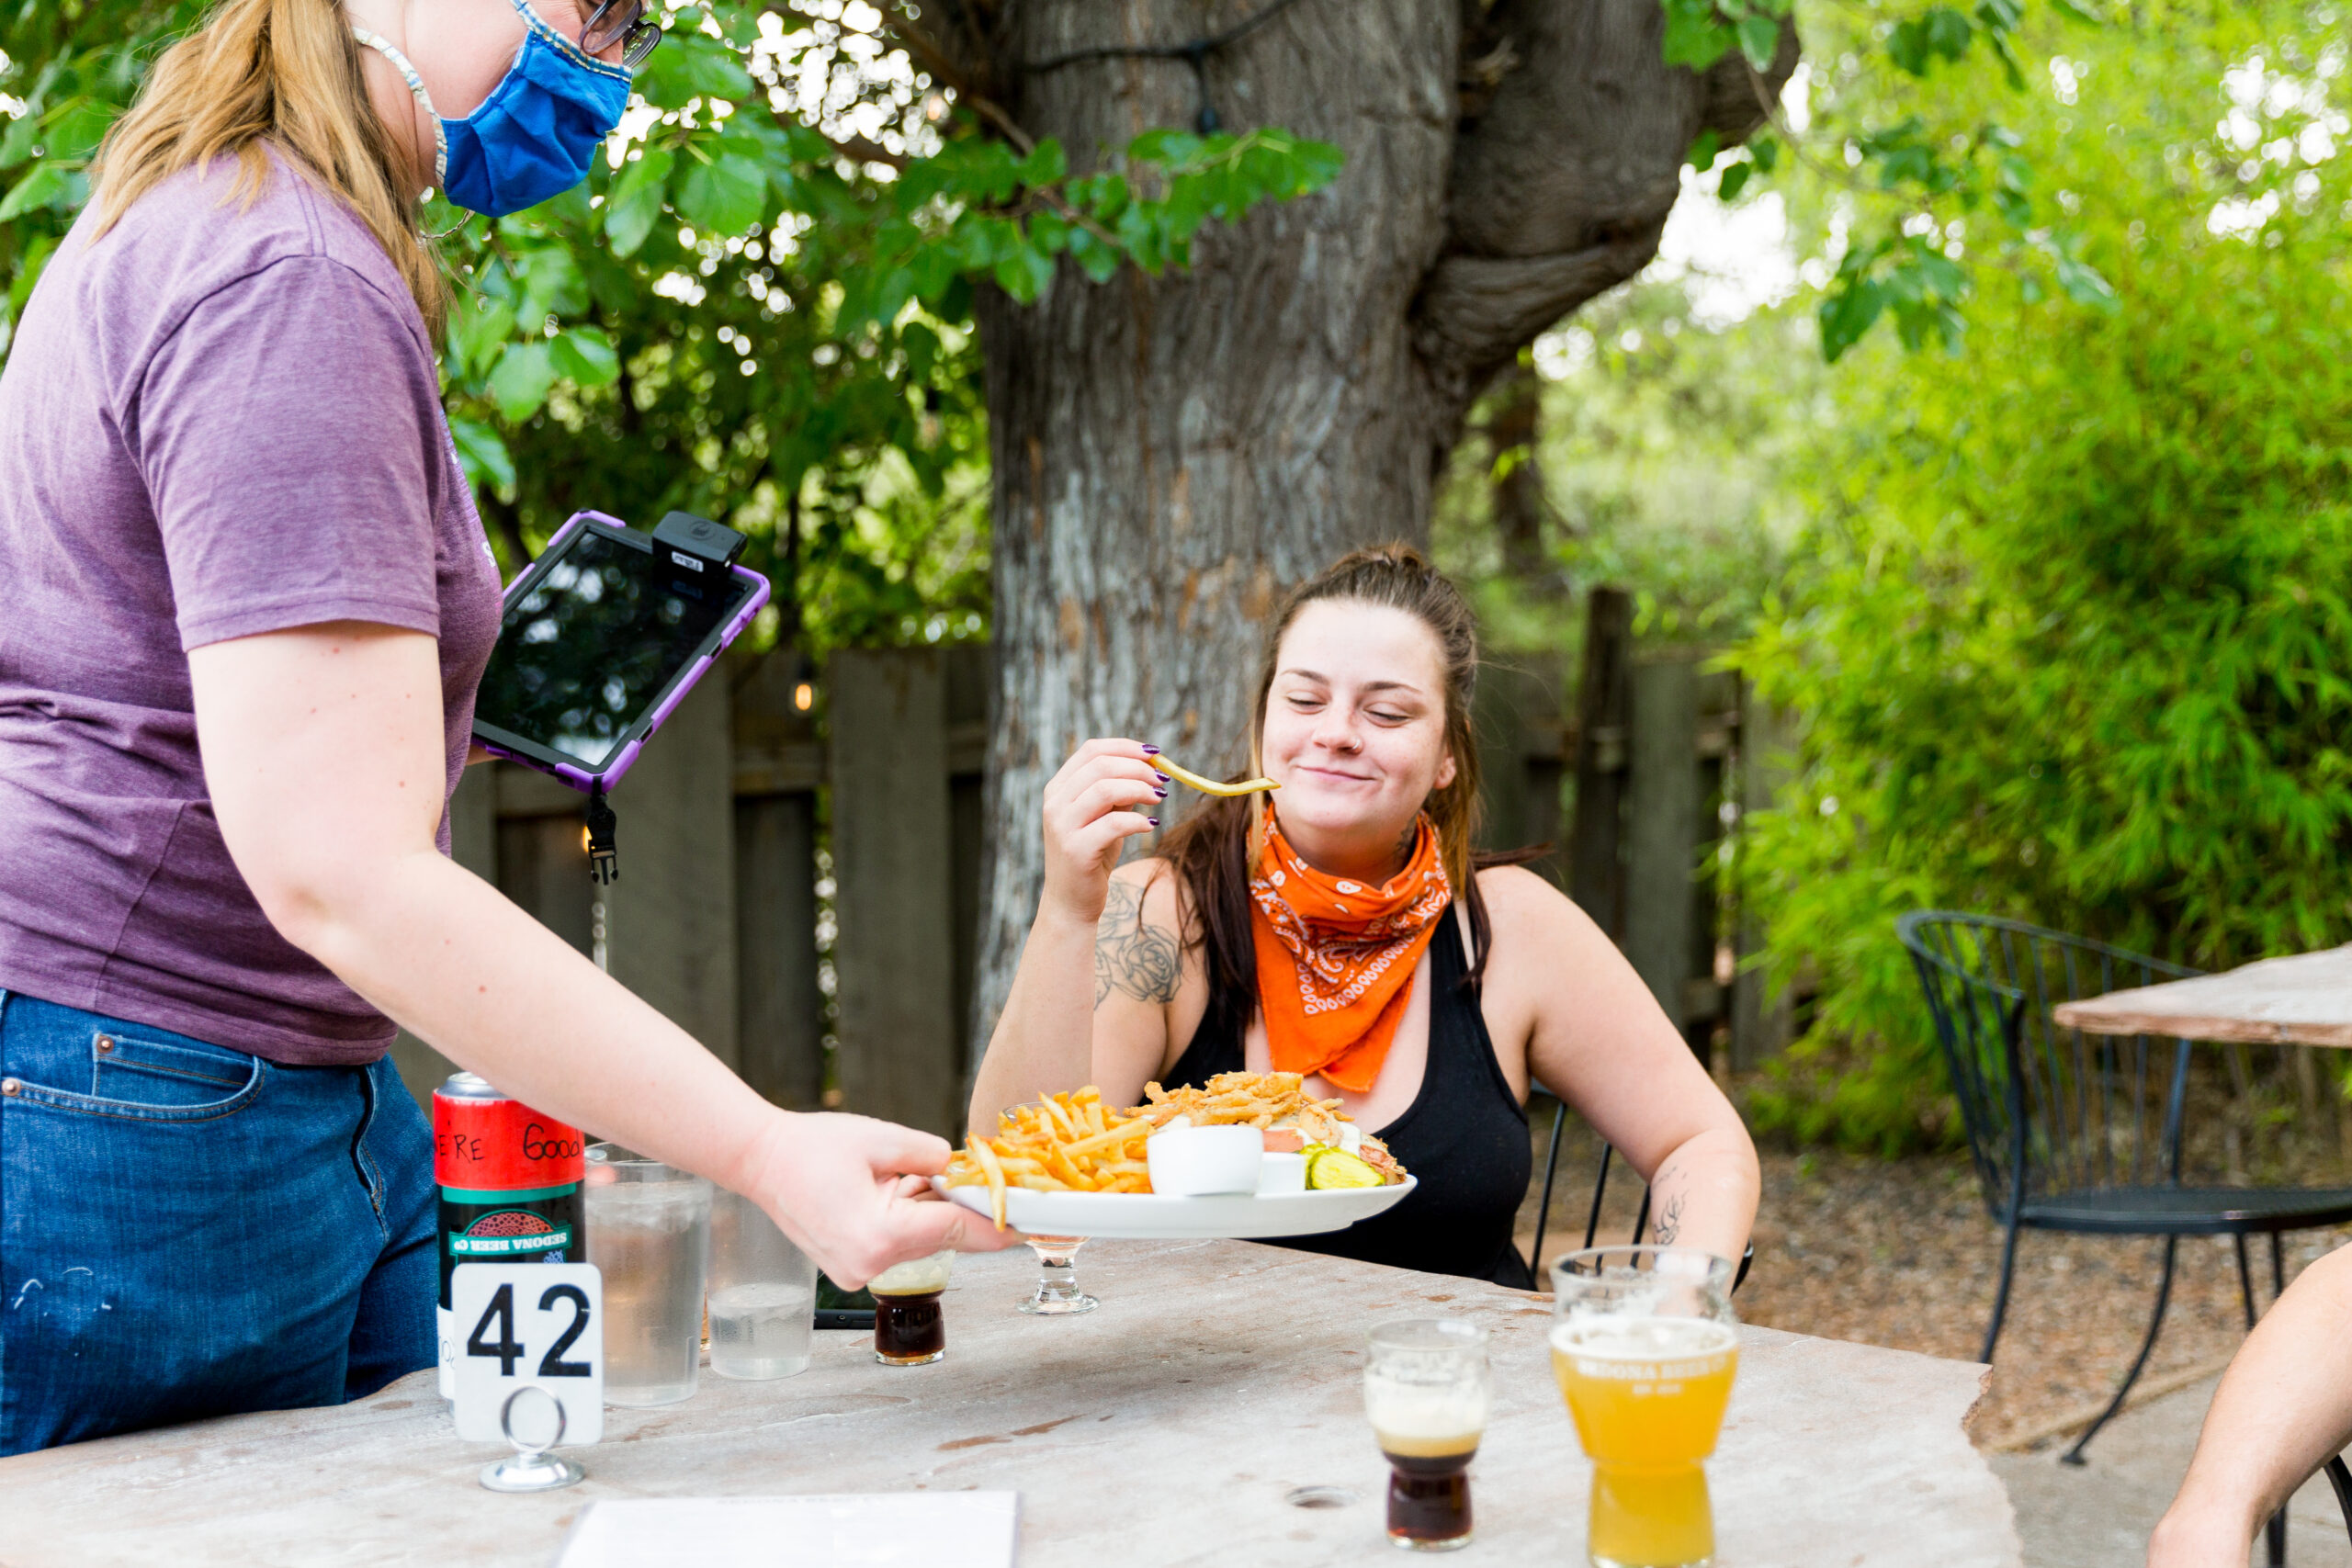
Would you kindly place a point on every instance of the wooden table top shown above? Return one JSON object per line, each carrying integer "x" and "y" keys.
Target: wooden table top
{"x": 2302, "y": 1000}
{"x": 1167, "y": 1427}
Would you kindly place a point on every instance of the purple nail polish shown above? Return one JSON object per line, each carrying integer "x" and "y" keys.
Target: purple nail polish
{"x": 1153, "y": 820}
{"x": 1160, "y": 792}
{"x": 1149, "y": 749}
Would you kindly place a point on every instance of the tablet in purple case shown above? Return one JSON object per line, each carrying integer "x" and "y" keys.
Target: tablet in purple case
{"x": 602, "y": 637}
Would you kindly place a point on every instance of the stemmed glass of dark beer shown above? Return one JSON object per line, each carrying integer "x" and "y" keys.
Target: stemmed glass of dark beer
{"x": 1428, "y": 1390}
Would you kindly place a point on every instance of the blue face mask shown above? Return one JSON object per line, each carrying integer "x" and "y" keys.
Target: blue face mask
{"x": 536, "y": 134}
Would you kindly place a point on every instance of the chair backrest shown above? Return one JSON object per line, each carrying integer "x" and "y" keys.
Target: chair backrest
{"x": 2047, "y": 1109}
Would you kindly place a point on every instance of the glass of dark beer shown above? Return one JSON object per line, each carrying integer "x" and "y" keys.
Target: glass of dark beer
{"x": 909, "y": 1329}
{"x": 1428, "y": 1389}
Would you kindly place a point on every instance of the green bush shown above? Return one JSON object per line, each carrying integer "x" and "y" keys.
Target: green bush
{"x": 2069, "y": 633}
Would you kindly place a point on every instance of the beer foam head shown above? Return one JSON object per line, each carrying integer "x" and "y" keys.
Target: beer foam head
{"x": 914, "y": 1278}
{"x": 1618, "y": 1337}
{"x": 1419, "y": 1410}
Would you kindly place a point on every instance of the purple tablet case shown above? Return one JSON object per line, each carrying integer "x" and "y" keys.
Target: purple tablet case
{"x": 582, "y": 779}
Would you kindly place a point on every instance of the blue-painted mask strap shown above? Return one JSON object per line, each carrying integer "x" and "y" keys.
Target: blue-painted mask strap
{"x": 383, "y": 46}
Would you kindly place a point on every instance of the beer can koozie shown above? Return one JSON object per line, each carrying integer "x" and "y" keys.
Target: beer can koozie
{"x": 509, "y": 1181}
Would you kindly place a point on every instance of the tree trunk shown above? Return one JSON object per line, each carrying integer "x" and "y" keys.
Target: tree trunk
{"x": 1172, "y": 455}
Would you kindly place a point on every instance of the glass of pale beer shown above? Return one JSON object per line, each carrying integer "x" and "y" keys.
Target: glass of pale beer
{"x": 1643, "y": 1345}
{"x": 1427, "y": 1391}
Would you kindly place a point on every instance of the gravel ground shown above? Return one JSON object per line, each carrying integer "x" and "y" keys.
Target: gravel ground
{"x": 1901, "y": 1253}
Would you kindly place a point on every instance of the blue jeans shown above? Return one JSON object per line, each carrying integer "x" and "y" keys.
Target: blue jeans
{"x": 191, "y": 1231}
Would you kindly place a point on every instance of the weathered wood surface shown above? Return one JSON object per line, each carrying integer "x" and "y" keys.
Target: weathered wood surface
{"x": 2302, "y": 1000}
{"x": 1167, "y": 1427}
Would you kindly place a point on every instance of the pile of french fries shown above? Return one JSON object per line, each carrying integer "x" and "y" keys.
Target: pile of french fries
{"x": 1070, "y": 1142}
{"x": 1259, "y": 1099}
{"x": 1060, "y": 1143}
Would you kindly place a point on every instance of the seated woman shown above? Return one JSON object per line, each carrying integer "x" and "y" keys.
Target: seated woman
{"x": 2284, "y": 1409}
{"x": 1338, "y": 930}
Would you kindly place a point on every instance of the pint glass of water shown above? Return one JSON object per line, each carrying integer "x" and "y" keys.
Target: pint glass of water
{"x": 1643, "y": 1345}
{"x": 649, "y": 1234}
{"x": 763, "y": 1293}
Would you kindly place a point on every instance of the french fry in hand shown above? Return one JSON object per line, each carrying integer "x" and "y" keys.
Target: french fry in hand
{"x": 1209, "y": 786}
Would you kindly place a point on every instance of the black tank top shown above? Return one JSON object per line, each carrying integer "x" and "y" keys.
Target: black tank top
{"x": 1463, "y": 1137}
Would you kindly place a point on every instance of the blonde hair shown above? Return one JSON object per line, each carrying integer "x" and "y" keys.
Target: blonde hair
{"x": 284, "y": 73}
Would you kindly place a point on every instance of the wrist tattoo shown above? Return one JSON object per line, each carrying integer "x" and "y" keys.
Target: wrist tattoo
{"x": 1130, "y": 958}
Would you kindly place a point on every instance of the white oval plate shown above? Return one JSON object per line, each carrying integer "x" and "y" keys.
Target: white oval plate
{"x": 1150, "y": 1216}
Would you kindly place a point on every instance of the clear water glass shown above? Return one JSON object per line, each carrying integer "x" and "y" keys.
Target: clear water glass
{"x": 763, "y": 1293}
{"x": 649, "y": 1233}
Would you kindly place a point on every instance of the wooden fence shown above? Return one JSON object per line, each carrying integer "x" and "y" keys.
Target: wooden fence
{"x": 758, "y": 858}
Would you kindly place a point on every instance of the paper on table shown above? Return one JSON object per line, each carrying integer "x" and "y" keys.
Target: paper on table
{"x": 878, "y": 1529}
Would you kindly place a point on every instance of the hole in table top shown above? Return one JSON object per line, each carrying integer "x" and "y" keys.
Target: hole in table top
{"x": 1321, "y": 1496}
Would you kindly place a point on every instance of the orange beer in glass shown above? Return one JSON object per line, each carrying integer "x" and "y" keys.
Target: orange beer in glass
{"x": 1645, "y": 1346}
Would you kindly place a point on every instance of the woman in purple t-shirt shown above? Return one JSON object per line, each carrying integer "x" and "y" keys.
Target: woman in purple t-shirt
{"x": 249, "y": 602}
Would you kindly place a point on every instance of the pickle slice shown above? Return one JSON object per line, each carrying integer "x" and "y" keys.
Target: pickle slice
{"x": 1329, "y": 1168}
{"x": 1210, "y": 786}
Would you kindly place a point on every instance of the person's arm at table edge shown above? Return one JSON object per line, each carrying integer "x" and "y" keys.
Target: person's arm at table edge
{"x": 323, "y": 751}
{"x": 1605, "y": 1047}
{"x": 2283, "y": 1408}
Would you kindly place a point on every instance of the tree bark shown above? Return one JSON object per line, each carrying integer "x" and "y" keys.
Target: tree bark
{"x": 1172, "y": 455}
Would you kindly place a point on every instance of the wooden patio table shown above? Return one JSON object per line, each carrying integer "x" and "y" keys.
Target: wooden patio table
{"x": 1168, "y": 1428}
{"x": 2302, "y": 1000}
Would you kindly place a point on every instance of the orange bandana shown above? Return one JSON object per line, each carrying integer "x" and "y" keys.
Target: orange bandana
{"x": 1335, "y": 957}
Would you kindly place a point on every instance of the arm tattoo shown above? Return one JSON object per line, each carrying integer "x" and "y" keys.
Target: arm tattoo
{"x": 1670, "y": 1212}
{"x": 1137, "y": 960}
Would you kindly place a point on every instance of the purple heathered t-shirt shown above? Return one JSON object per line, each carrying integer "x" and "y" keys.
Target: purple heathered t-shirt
{"x": 217, "y": 420}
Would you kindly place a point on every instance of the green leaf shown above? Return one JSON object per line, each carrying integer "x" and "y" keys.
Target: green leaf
{"x": 50, "y": 183}
{"x": 75, "y": 132}
{"x": 478, "y": 328}
{"x": 552, "y": 283}
{"x": 584, "y": 355}
{"x": 1734, "y": 179}
{"x": 726, "y": 195}
{"x": 1044, "y": 165}
{"x": 1847, "y": 313}
{"x": 1704, "y": 150}
{"x": 1760, "y": 40}
{"x": 482, "y": 453}
{"x": 519, "y": 386}
{"x": 634, "y": 204}
{"x": 1023, "y": 274}
{"x": 1694, "y": 35}
{"x": 23, "y": 135}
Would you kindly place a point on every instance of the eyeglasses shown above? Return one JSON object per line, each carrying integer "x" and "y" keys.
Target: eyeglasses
{"x": 622, "y": 22}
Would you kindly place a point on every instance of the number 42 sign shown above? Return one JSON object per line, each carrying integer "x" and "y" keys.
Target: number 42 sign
{"x": 529, "y": 1325}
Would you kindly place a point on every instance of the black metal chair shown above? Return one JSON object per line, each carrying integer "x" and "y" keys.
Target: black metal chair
{"x": 1599, "y": 1190}
{"x": 2081, "y": 1132}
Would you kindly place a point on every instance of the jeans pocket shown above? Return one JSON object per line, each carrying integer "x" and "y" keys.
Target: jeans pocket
{"x": 150, "y": 1080}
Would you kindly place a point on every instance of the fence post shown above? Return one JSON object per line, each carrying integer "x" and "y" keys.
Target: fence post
{"x": 778, "y": 766}
{"x": 1604, "y": 703}
{"x": 1761, "y": 1025}
{"x": 893, "y": 960}
{"x": 670, "y": 920}
{"x": 1517, "y": 722}
{"x": 1661, "y": 822}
